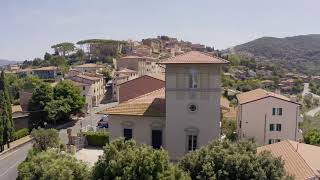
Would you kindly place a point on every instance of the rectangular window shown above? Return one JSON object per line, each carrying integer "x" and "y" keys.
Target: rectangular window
{"x": 271, "y": 141}
{"x": 278, "y": 127}
{"x": 192, "y": 142}
{"x": 271, "y": 127}
{"x": 193, "y": 80}
{"x": 127, "y": 133}
{"x": 277, "y": 111}
{"x": 280, "y": 111}
{"x": 83, "y": 88}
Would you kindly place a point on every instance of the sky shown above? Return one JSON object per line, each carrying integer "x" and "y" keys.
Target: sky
{"x": 28, "y": 28}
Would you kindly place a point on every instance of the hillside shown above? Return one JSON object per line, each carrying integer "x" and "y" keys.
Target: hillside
{"x": 6, "y": 62}
{"x": 297, "y": 53}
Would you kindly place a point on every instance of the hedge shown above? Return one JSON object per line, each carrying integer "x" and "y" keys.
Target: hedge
{"x": 97, "y": 138}
{"x": 20, "y": 134}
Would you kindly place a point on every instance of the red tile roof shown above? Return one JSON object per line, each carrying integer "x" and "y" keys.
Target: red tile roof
{"x": 257, "y": 94}
{"x": 300, "y": 160}
{"x": 195, "y": 57}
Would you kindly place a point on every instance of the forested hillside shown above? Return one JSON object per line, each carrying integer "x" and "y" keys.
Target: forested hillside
{"x": 297, "y": 53}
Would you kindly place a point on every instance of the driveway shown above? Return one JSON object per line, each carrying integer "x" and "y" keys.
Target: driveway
{"x": 89, "y": 155}
{"x": 90, "y": 120}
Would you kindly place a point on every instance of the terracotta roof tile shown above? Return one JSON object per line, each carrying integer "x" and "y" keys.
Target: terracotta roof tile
{"x": 194, "y": 57}
{"x": 89, "y": 65}
{"x": 126, "y": 70}
{"x": 296, "y": 164}
{"x": 48, "y": 68}
{"x": 88, "y": 77}
{"x": 258, "y": 94}
{"x": 151, "y": 104}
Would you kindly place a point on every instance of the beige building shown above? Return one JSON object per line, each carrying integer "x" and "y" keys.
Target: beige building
{"x": 300, "y": 160}
{"x": 143, "y": 65}
{"x": 90, "y": 68}
{"x": 267, "y": 117}
{"x": 92, "y": 86}
{"x": 181, "y": 117}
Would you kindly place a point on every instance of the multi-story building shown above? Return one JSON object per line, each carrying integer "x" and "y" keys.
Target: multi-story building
{"x": 90, "y": 68}
{"x": 92, "y": 87}
{"x": 143, "y": 65}
{"x": 49, "y": 72}
{"x": 181, "y": 117}
{"x": 267, "y": 117}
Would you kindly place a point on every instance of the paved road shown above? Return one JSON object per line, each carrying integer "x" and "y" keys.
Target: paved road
{"x": 90, "y": 120}
{"x": 10, "y": 161}
{"x": 306, "y": 91}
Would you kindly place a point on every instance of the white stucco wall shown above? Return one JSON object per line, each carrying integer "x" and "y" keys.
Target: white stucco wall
{"x": 257, "y": 116}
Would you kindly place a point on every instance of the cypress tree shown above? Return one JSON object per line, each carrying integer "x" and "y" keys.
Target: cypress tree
{"x": 6, "y": 113}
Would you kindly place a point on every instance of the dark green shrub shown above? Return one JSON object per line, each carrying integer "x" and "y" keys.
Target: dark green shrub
{"x": 97, "y": 138}
{"x": 20, "y": 133}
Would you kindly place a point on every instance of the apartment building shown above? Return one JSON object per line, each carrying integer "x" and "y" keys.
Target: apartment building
{"x": 267, "y": 117}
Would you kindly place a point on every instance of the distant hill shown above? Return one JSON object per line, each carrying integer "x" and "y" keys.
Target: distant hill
{"x": 297, "y": 53}
{"x": 6, "y": 62}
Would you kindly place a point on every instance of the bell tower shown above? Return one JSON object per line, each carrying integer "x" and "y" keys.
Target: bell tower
{"x": 192, "y": 101}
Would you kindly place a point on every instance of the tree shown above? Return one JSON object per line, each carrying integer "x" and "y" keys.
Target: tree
{"x": 45, "y": 138}
{"x": 31, "y": 82}
{"x": 41, "y": 96}
{"x": 228, "y": 128}
{"x": 225, "y": 160}
{"x": 106, "y": 74}
{"x": 53, "y": 165}
{"x": 15, "y": 85}
{"x": 234, "y": 60}
{"x": 312, "y": 137}
{"x": 66, "y": 100}
{"x": 126, "y": 160}
{"x": 47, "y": 56}
{"x": 80, "y": 54}
{"x": 6, "y": 122}
{"x": 64, "y": 48}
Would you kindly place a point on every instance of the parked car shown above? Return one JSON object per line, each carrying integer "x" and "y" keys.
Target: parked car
{"x": 103, "y": 122}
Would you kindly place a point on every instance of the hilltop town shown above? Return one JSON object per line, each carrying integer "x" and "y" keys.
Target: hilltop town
{"x": 169, "y": 96}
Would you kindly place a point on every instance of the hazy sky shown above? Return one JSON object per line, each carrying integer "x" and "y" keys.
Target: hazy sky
{"x": 29, "y": 27}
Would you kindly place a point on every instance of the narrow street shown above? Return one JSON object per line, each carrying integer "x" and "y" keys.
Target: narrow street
{"x": 10, "y": 161}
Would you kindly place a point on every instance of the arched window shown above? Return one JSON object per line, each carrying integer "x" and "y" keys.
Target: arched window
{"x": 193, "y": 79}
